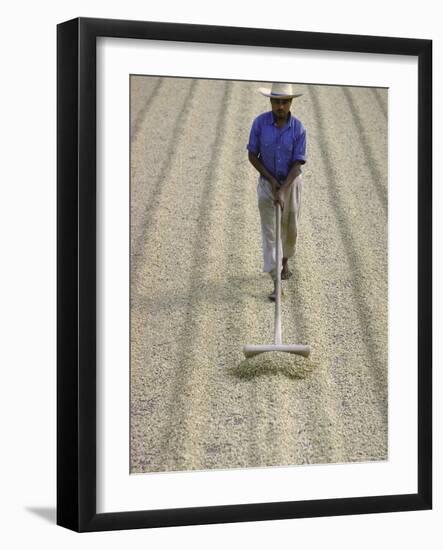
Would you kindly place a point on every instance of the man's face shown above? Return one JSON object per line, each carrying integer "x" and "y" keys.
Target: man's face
{"x": 280, "y": 107}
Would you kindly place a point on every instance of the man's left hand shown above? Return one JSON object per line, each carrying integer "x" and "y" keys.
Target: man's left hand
{"x": 280, "y": 197}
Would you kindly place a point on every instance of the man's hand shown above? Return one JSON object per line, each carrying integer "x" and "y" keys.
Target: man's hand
{"x": 276, "y": 191}
{"x": 279, "y": 197}
{"x": 275, "y": 184}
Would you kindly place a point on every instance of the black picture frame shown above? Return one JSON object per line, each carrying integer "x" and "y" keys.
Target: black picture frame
{"x": 76, "y": 273}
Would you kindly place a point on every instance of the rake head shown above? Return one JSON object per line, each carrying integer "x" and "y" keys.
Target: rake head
{"x": 250, "y": 349}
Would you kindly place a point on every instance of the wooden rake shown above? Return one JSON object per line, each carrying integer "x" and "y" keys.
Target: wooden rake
{"x": 252, "y": 349}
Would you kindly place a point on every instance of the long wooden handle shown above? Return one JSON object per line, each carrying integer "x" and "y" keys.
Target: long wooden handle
{"x": 278, "y": 260}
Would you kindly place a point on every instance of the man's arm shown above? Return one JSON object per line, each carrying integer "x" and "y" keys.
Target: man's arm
{"x": 298, "y": 158}
{"x": 258, "y": 165}
{"x": 294, "y": 172}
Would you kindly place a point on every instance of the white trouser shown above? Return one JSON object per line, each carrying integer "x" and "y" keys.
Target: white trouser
{"x": 289, "y": 221}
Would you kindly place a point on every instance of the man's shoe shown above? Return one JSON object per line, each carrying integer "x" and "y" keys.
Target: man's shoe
{"x": 285, "y": 275}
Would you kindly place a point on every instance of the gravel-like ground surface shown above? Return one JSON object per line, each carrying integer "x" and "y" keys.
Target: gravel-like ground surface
{"x": 198, "y": 293}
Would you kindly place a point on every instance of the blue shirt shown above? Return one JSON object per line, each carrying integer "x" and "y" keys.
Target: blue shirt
{"x": 277, "y": 148}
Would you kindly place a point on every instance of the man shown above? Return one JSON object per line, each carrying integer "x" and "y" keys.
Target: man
{"x": 277, "y": 149}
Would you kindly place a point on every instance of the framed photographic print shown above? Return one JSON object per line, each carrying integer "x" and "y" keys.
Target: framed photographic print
{"x": 244, "y": 274}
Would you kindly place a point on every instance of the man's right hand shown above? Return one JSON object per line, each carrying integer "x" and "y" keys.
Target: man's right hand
{"x": 278, "y": 194}
{"x": 279, "y": 198}
{"x": 275, "y": 184}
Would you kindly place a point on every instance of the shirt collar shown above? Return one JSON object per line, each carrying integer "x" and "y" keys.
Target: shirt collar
{"x": 289, "y": 122}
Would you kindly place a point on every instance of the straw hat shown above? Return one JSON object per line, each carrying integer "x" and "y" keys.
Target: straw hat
{"x": 280, "y": 90}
